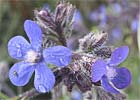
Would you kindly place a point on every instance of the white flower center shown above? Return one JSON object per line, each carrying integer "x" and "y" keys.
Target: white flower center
{"x": 111, "y": 72}
{"x": 32, "y": 56}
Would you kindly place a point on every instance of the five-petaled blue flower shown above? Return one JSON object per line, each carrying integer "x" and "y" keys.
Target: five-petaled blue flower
{"x": 34, "y": 58}
{"x": 112, "y": 78}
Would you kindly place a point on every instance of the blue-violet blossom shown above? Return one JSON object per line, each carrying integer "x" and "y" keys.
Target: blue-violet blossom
{"x": 34, "y": 58}
{"x": 134, "y": 25}
{"x": 112, "y": 78}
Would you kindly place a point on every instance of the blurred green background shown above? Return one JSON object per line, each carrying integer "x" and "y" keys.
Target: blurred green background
{"x": 118, "y": 17}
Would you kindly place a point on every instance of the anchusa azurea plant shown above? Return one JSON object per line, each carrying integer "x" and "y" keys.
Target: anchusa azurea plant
{"x": 92, "y": 65}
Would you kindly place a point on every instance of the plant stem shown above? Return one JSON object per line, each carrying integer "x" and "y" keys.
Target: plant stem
{"x": 3, "y": 96}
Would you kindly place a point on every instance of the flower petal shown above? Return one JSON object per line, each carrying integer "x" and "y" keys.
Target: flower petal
{"x": 119, "y": 55}
{"x": 122, "y": 79}
{"x": 44, "y": 78}
{"x": 17, "y": 47}
{"x": 98, "y": 70}
{"x": 57, "y": 55}
{"x": 107, "y": 86}
{"x": 34, "y": 33}
{"x": 20, "y": 73}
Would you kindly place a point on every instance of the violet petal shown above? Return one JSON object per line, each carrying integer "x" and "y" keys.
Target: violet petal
{"x": 17, "y": 47}
{"x": 98, "y": 70}
{"x": 34, "y": 33}
{"x": 122, "y": 79}
{"x": 44, "y": 78}
{"x": 20, "y": 73}
{"x": 119, "y": 55}
{"x": 107, "y": 86}
{"x": 58, "y": 55}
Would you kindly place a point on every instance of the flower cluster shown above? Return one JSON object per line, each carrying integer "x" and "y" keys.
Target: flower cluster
{"x": 34, "y": 58}
{"x": 92, "y": 63}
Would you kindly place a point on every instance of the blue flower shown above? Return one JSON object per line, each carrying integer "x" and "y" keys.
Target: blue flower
{"x": 116, "y": 35}
{"x": 34, "y": 58}
{"x": 99, "y": 15}
{"x": 77, "y": 17}
{"x": 103, "y": 15}
{"x": 116, "y": 7}
{"x": 93, "y": 16}
{"x": 134, "y": 25}
{"x": 112, "y": 78}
